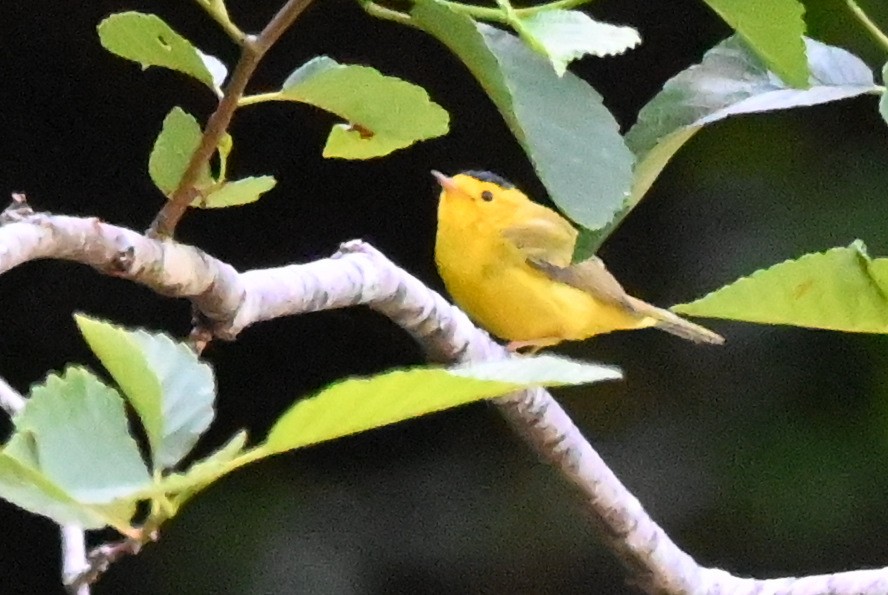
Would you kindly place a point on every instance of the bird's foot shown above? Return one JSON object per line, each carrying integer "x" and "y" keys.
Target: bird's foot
{"x": 531, "y": 347}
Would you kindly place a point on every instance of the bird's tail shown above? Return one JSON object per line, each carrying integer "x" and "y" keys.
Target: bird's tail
{"x": 690, "y": 331}
{"x": 678, "y": 326}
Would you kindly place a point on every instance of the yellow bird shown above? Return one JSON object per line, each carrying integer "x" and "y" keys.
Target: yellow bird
{"x": 506, "y": 261}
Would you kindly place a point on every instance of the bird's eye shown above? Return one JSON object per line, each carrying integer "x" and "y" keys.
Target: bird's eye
{"x": 487, "y": 196}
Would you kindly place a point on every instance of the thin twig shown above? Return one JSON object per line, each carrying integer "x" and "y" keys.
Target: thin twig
{"x": 73, "y": 537}
{"x": 218, "y": 13}
{"x": 359, "y": 274}
{"x": 253, "y": 50}
{"x": 868, "y": 24}
{"x": 502, "y": 15}
{"x": 379, "y": 11}
{"x": 74, "y": 560}
{"x": 11, "y": 401}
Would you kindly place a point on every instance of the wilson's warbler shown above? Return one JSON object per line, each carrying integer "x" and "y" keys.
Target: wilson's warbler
{"x": 506, "y": 261}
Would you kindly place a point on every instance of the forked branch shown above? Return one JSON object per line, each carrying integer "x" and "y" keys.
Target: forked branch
{"x": 253, "y": 49}
{"x": 358, "y": 274}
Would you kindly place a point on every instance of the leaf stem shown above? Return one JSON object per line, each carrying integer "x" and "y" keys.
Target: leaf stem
{"x": 253, "y": 50}
{"x": 376, "y": 10}
{"x": 868, "y": 24}
{"x": 258, "y": 98}
{"x": 514, "y": 20}
{"x": 217, "y": 12}
{"x": 557, "y": 5}
{"x": 477, "y": 12}
{"x": 502, "y": 15}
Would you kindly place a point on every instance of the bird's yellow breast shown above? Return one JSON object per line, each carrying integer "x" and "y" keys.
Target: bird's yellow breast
{"x": 491, "y": 281}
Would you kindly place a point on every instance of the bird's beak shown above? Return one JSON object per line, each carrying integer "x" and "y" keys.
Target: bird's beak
{"x": 446, "y": 182}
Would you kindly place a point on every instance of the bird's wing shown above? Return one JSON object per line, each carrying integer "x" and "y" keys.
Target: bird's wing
{"x": 543, "y": 235}
{"x": 590, "y": 276}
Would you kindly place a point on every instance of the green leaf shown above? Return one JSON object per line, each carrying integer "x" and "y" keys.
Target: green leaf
{"x": 172, "y": 391}
{"x": 182, "y": 486}
{"x": 883, "y": 99}
{"x": 238, "y": 192}
{"x": 226, "y": 144}
{"x": 77, "y": 431}
{"x": 216, "y": 7}
{"x": 384, "y": 113}
{"x": 774, "y": 30}
{"x": 729, "y": 81}
{"x": 175, "y": 145}
{"x": 732, "y": 81}
{"x": 841, "y": 289}
{"x": 567, "y": 35}
{"x": 359, "y": 404}
{"x": 28, "y": 488}
{"x": 204, "y": 472}
{"x": 148, "y": 40}
{"x": 572, "y": 140}
{"x": 178, "y": 140}
{"x": 217, "y": 69}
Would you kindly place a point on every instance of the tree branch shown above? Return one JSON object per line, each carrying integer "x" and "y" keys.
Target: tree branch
{"x": 359, "y": 274}
{"x": 252, "y": 51}
{"x": 73, "y": 537}
{"x": 74, "y": 561}
{"x": 10, "y": 400}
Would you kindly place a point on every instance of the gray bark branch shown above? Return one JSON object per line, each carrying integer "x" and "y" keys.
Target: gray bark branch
{"x": 360, "y": 275}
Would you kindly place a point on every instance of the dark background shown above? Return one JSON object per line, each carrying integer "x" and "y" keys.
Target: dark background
{"x": 766, "y": 457}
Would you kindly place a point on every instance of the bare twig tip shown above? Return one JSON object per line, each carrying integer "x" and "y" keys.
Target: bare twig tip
{"x": 350, "y": 247}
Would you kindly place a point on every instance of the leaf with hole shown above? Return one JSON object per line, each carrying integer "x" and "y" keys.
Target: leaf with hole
{"x": 360, "y": 404}
{"x": 148, "y": 40}
{"x": 383, "y": 113}
{"x": 572, "y": 140}
{"x": 841, "y": 289}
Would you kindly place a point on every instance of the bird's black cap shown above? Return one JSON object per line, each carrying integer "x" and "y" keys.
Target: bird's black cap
{"x": 487, "y": 176}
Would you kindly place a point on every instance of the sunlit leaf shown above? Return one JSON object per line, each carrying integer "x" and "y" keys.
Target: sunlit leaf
{"x": 238, "y": 192}
{"x": 148, "y": 40}
{"x": 80, "y": 438}
{"x": 572, "y": 140}
{"x": 178, "y": 139}
{"x": 359, "y": 404}
{"x": 226, "y": 144}
{"x": 172, "y": 391}
{"x": 384, "y": 113}
{"x": 841, "y": 289}
{"x": 28, "y": 488}
{"x": 182, "y": 486}
{"x": 774, "y": 30}
{"x": 567, "y": 35}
